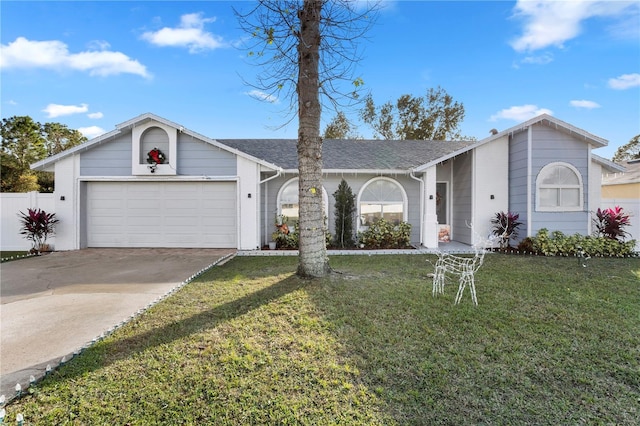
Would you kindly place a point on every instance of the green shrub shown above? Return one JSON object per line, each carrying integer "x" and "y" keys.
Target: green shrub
{"x": 383, "y": 234}
{"x": 345, "y": 207}
{"x": 287, "y": 237}
{"x": 286, "y": 241}
{"x": 558, "y": 244}
{"x": 526, "y": 245}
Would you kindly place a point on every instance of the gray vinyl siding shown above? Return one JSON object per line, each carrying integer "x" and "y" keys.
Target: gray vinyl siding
{"x": 461, "y": 198}
{"x": 550, "y": 146}
{"x": 198, "y": 158}
{"x": 518, "y": 178}
{"x": 195, "y": 158}
{"x": 330, "y": 184}
{"x": 567, "y": 222}
{"x": 108, "y": 159}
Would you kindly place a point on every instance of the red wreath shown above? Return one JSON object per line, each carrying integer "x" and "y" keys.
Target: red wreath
{"x": 155, "y": 156}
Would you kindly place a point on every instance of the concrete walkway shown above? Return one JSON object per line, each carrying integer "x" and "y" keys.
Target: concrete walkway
{"x": 52, "y": 305}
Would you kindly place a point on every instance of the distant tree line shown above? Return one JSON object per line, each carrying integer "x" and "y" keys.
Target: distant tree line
{"x": 628, "y": 151}
{"x": 434, "y": 116}
{"x": 24, "y": 142}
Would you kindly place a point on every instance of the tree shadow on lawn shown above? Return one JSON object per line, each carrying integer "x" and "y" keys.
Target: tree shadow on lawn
{"x": 112, "y": 350}
{"x": 512, "y": 359}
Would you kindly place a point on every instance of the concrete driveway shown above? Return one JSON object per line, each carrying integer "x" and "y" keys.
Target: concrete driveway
{"x": 54, "y": 304}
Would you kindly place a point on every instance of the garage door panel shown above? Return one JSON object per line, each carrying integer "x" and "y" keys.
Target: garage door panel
{"x": 185, "y": 205}
{"x": 177, "y": 224}
{"x": 184, "y": 237}
{"x": 107, "y": 222}
{"x": 141, "y": 204}
{"x": 106, "y": 204}
{"x": 162, "y": 214}
{"x": 144, "y": 221}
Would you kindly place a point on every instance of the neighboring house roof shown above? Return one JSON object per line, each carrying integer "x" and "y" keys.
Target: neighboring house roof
{"x": 631, "y": 175}
{"x": 48, "y": 162}
{"x": 352, "y": 154}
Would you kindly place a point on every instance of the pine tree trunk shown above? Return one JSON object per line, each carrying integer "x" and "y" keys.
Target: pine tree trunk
{"x": 313, "y": 261}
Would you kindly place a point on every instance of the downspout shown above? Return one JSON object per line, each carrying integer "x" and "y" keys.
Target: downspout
{"x": 422, "y": 219}
{"x": 266, "y": 201}
{"x": 474, "y": 199}
{"x": 588, "y": 191}
{"x": 529, "y": 177}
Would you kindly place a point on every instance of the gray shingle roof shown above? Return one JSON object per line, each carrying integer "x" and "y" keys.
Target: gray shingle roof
{"x": 340, "y": 154}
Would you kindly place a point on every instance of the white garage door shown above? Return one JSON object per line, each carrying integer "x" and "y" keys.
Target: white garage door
{"x": 161, "y": 214}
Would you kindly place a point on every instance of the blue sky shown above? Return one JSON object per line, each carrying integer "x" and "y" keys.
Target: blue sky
{"x": 93, "y": 65}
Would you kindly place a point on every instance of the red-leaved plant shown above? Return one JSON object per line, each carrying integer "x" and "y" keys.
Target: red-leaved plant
{"x": 505, "y": 227}
{"x": 611, "y": 222}
{"x": 37, "y": 226}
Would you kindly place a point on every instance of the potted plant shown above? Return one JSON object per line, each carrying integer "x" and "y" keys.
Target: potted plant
{"x": 37, "y": 226}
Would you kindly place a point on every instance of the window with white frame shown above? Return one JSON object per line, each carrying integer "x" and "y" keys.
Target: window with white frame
{"x": 288, "y": 207}
{"x": 382, "y": 198}
{"x": 559, "y": 188}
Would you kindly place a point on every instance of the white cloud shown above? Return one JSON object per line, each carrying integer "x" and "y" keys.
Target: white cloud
{"x": 54, "y": 54}
{"x": 56, "y": 110}
{"x": 189, "y": 33}
{"x": 12, "y": 102}
{"x": 95, "y": 115}
{"x": 99, "y": 45}
{"x": 263, "y": 96}
{"x": 520, "y": 113}
{"x": 551, "y": 23}
{"x": 92, "y": 131}
{"x": 584, "y": 104}
{"x": 625, "y": 81}
{"x": 539, "y": 59}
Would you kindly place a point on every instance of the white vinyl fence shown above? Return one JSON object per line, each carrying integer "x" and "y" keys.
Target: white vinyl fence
{"x": 631, "y": 206}
{"x": 12, "y": 203}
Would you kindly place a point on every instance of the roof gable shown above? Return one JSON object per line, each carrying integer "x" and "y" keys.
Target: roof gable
{"x": 556, "y": 123}
{"x": 48, "y": 162}
{"x": 608, "y": 165}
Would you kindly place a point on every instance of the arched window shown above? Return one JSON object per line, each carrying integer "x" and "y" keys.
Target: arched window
{"x": 559, "y": 188}
{"x": 288, "y": 202}
{"x": 382, "y": 197}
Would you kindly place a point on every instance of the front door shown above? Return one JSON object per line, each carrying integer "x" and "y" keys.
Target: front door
{"x": 442, "y": 211}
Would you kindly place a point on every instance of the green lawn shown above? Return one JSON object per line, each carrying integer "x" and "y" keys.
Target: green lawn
{"x": 551, "y": 343}
{"x": 12, "y": 255}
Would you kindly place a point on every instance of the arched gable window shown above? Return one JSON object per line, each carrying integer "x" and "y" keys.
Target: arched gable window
{"x": 382, "y": 197}
{"x": 147, "y": 136}
{"x": 288, "y": 201}
{"x": 559, "y": 188}
{"x": 154, "y": 137}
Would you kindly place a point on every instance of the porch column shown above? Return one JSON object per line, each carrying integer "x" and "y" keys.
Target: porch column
{"x": 430, "y": 219}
